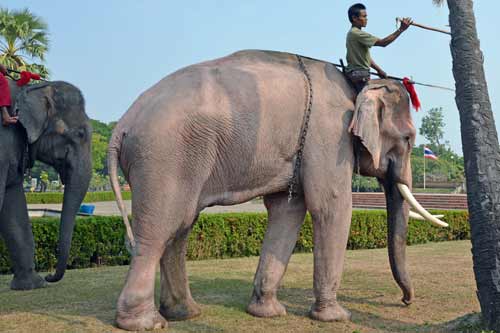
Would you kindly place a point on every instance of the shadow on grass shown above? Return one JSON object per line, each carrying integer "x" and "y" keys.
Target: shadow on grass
{"x": 235, "y": 293}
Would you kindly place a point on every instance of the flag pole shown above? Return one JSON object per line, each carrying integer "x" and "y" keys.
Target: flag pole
{"x": 424, "y": 167}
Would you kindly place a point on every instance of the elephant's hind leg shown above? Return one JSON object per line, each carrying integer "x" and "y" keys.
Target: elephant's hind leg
{"x": 285, "y": 220}
{"x": 136, "y": 309}
{"x": 153, "y": 229}
{"x": 176, "y": 302}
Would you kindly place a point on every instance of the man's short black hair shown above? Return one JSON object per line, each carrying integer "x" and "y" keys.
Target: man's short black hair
{"x": 354, "y": 10}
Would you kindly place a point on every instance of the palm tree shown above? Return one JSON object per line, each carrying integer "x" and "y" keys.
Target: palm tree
{"x": 481, "y": 156}
{"x": 23, "y": 40}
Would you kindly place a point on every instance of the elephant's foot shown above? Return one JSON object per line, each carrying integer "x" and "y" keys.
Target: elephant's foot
{"x": 329, "y": 312}
{"x": 32, "y": 281}
{"x": 266, "y": 306}
{"x": 149, "y": 320}
{"x": 180, "y": 311}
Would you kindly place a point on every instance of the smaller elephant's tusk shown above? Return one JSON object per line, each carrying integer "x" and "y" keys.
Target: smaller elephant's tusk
{"x": 417, "y": 216}
{"x": 406, "y": 193}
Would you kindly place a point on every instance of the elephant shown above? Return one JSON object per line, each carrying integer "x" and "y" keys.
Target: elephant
{"x": 225, "y": 131}
{"x": 53, "y": 128}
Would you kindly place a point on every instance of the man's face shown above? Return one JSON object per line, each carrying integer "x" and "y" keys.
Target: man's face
{"x": 362, "y": 20}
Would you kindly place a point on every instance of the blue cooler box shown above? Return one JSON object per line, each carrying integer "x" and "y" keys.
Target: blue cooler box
{"x": 87, "y": 209}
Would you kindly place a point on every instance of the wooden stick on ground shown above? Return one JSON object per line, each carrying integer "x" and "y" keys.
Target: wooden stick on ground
{"x": 426, "y": 27}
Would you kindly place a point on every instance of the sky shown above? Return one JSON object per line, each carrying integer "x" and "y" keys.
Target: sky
{"x": 114, "y": 50}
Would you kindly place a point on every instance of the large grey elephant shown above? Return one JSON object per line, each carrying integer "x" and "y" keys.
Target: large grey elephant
{"x": 225, "y": 131}
{"x": 52, "y": 128}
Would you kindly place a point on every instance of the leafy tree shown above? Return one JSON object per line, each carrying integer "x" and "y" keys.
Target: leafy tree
{"x": 365, "y": 184}
{"x": 481, "y": 156}
{"x": 101, "y": 128}
{"x": 99, "y": 152}
{"x": 99, "y": 182}
{"x": 448, "y": 168}
{"x": 100, "y": 138}
{"x": 39, "y": 168}
{"x": 432, "y": 127}
{"x": 44, "y": 181}
{"x": 23, "y": 40}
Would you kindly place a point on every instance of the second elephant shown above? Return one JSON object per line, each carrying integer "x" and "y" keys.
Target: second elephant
{"x": 53, "y": 128}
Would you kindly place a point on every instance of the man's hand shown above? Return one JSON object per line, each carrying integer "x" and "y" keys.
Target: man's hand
{"x": 405, "y": 23}
{"x": 381, "y": 73}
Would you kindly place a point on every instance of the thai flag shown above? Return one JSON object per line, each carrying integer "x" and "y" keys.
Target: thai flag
{"x": 429, "y": 154}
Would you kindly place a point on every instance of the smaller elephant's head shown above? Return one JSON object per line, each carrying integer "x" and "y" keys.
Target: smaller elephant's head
{"x": 384, "y": 135}
{"x": 59, "y": 134}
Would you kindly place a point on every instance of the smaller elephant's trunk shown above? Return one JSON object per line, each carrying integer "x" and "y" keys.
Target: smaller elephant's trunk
{"x": 74, "y": 192}
{"x": 397, "y": 230}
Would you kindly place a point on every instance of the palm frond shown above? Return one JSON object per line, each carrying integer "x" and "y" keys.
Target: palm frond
{"x": 24, "y": 37}
{"x": 438, "y": 2}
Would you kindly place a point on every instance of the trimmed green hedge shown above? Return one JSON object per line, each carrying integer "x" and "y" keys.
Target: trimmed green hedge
{"x": 99, "y": 240}
{"x": 57, "y": 197}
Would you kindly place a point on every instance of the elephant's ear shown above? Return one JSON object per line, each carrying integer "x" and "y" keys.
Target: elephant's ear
{"x": 34, "y": 106}
{"x": 367, "y": 119}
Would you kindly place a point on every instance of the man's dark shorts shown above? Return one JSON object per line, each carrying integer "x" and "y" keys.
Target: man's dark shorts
{"x": 359, "y": 78}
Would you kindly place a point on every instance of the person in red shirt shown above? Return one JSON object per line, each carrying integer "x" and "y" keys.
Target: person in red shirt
{"x": 5, "y": 102}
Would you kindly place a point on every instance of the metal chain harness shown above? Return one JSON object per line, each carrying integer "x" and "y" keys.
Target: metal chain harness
{"x": 293, "y": 183}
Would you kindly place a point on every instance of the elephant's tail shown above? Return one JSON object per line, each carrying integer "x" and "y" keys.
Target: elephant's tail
{"x": 113, "y": 157}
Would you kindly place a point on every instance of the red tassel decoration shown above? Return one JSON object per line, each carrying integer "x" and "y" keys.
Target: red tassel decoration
{"x": 415, "y": 102}
{"x": 26, "y": 78}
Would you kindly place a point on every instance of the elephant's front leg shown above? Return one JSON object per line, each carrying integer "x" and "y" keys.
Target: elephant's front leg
{"x": 331, "y": 216}
{"x": 285, "y": 219}
{"x": 16, "y": 231}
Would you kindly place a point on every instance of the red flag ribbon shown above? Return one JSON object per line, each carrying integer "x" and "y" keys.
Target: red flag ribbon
{"x": 413, "y": 93}
{"x": 26, "y": 77}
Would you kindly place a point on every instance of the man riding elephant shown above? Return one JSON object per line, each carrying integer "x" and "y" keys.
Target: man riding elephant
{"x": 358, "y": 44}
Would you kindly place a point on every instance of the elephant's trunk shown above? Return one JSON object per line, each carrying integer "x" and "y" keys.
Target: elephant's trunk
{"x": 75, "y": 188}
{"x": 397, "y": 225}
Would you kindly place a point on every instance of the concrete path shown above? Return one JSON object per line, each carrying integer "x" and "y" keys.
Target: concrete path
{"x": 109, "y": 207}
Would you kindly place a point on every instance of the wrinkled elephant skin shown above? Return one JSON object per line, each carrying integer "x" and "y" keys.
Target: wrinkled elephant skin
{"x": 225, "y": 131}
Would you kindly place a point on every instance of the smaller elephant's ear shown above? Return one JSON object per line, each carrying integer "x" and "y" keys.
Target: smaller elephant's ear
{"x": 34, "y": 106}
{"x": 367, "y": 120}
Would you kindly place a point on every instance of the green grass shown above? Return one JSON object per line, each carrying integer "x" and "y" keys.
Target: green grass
{"x": 85, "y": 300}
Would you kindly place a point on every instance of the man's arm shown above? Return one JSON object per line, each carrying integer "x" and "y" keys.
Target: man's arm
{"x": 405, "y": 23}
{"x": 379, "y": 70}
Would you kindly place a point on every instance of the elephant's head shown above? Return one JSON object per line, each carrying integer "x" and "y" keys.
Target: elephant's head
{"x": 59, "y": 134}
{"x": 384, "y": 135}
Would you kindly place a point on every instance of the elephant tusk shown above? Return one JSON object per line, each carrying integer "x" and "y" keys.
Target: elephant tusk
{"x": 405, "y": 192}
{"x": 417, "y": 216}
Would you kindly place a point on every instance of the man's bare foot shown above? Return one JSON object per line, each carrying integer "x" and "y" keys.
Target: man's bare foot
{"x": 6, "y": 121}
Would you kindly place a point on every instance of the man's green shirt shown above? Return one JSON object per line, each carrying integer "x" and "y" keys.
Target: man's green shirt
{"x": 358, "y": 44}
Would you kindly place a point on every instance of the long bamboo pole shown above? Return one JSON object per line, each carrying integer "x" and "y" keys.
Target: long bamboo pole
{"x": 398, "y": 19}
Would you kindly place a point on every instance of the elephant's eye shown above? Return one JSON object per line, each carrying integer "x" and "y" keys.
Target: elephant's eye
{"x": 408, "y": 142}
